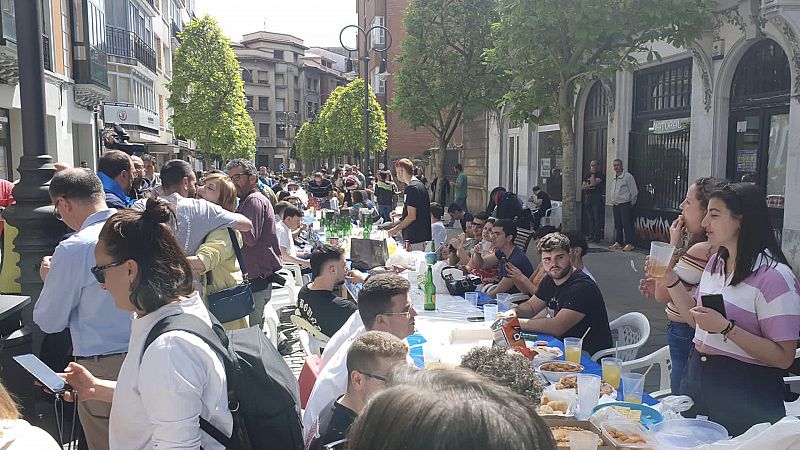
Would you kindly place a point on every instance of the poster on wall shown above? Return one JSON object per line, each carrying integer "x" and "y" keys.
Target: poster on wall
{"x": 544, "y": 168}
{"x": 747, "y": 160}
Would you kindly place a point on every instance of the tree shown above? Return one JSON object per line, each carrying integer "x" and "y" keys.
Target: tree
{"x": 442, "y": 75}
{"x": 207, "y": 93}
{"x": 550, "y": 48}
{"x": 341, "y": 122}
{"x": 307, "y": 141}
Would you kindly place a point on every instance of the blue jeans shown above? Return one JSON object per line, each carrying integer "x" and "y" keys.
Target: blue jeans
{"x": 384, "y": 211}
{"x": 462, "y": 202}
{"x": 679, "y": 338}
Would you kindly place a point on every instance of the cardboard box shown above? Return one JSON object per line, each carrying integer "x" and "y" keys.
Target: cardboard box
{"x": 583, "y": 424}
{"x": 471, "y": 335}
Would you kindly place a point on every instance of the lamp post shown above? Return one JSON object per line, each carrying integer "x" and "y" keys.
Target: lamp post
{"x": 387, "y": 43}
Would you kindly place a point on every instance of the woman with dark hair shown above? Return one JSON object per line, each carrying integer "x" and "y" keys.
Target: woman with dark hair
{"x": 693, "y": 252}
{"x": 735, "y": 370}
{"x": 494, "y": 198}
{"x": 448, "y": 409}
{"x": 162, "y": 391}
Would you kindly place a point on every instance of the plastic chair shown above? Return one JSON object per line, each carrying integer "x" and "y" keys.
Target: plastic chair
{"x": 312, "y": 340}
{"x": 633, "y": 330}
{"x": 270, "y": 326}
{"x": 523, "y": 239}
{"x": 308, "y": 377}
{"x": 552, "y": 216}
{"x": 286, "y": 295}
{"x": 659, "y": 357}
{"x": 793, "y": 408}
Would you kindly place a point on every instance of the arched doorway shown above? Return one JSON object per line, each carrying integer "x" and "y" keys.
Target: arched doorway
{"x": 595, "y": 136}
{"x": 758, "y": 130}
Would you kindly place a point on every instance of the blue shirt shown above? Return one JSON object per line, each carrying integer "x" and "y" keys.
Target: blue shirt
{"x": 115, "y": 196}
{"x": 71, "y": 297}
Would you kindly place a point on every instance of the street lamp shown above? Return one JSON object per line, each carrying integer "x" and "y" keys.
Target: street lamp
{"x": 387, "y": 43}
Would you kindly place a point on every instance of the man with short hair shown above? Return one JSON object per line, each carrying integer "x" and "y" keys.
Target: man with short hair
{"x": 578, "y": 248}
{"x": 291, "y": 220}
{"x": 623, "y": 196}
{"x": 385, "y": 191}
{"x": 593, "y": 188}
{"x": 415, "y": 223}
{"x": 116, "y": 172}
{"x": 460, "y": 187}
{"x": 573, "y": 301}
{"x": 151, "y": 174}
{"x": 73, "y": 298}
{"x": 321, "y": 189}
{"x": 505, "y": 232}
{"x": 140, "y": 185}
{"x": 460, "y": 248}
{"x": 261, "y": 251}
{"x": 456, "y": 212}
{"x": 438, "y": 231}
{"x": 369, "y": 360}
{"x": 280, "y": 185}
{"x": 384, "y": 304}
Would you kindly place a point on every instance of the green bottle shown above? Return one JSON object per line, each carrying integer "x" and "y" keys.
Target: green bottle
{"x": 433, "y": 247}
{"x": 430, "y": 291}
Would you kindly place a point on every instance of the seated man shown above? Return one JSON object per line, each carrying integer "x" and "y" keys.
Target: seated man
{"x": 456, "y": 212}
{"x": 541, "y": 202}
{"x": 368, "y": 363}
{"x": 458, "y": 251}
{"x": 292, "y": 219}
{"x": 384, "y": 304}
{"x": 438, "y": 231}
{"x": 316, "y": 301}
{"x": 567, "y": 302}
{"x": 578, "y": 248}
{"x": 505, "y": 231}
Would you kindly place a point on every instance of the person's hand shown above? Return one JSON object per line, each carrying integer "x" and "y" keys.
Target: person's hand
{"x": 676, "y": 231}
{"x": 356, "y": 276}
{"x": 83, "y": 383}
{"x": 44, "y": 267}
{"x": 510, "y": 314}
{"x": 392, "y": 231}
{"x": 647, "y": 287}
{"x": 514, "y": 273}
{"x": 708, "y": 319}
{"x": 668, "y": 279}
{"x": 392, "y": 215}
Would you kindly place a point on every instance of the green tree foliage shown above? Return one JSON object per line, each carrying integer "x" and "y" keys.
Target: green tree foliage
{"x": 307, "y": 141}
{"x": 442, "y": 75}
{"x": 550, "y": 48}
{"x": 341, "y": 122}
{"x": 207, "y": 93}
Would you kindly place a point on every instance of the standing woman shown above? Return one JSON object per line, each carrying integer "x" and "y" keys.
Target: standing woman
{"x": 693, "y": 252}
{"x": 216, "y": 258}
{"x": 162, "y": 392}
{"x": 735, "y": 370}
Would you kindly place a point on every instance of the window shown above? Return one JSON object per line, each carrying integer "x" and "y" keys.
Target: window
{"x": 280, "y": 104}
{"x": 277, "y": 54}
{"x": 159, "y": 54}
{"x": 378, "y": 84}
{"x": 263, "y": 77}
{"x": 379, "y": 35}
{"x": 162, "y": 113}
{"x": 167, "y": 60}
{"x": 280, "y": 79}
{"x": 263, "y": 103}
{"x": 281, "y": 132}
{"x": 247, "y": 75}
{"x": 296, "y": 82}
{"x": 297, "y": 106}
{"x": 249, "y": 102}
{"x": 263, "y": 130}
{"x": 296, "y": 57}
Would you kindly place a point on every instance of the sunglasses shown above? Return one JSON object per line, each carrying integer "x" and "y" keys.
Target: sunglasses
{"x": 99, "y": 271}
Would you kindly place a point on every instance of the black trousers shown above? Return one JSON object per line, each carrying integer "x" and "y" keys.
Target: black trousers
{"x": 596, "y": 216}
{"x": 735, "y": 394}
{"x": 623, "y": 223}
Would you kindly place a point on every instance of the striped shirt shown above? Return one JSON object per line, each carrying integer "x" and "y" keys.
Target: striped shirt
{"x": 690, "y": 269}
{"x": 766, "y": 304}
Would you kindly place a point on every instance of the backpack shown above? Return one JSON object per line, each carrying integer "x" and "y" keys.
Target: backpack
{"x": 263, "y": 394}
{"x": 509, "y": 206}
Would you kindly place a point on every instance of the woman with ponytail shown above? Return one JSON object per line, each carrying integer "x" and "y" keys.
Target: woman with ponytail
{"x": 162, "y": 391}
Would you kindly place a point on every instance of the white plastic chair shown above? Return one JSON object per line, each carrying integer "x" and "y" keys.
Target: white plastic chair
{"x": 312, "y": 340}
{"x": 633, "y": 330}
{"x": 286, "y": 295}
{"x": 659, "y": 357}
{"x": 793, "y": 408}
{"x": 552, "y": 216}
{"x": 270, "y": 326}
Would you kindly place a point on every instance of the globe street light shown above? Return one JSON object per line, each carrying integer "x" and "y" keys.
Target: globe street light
{"x": 387, "y": 43}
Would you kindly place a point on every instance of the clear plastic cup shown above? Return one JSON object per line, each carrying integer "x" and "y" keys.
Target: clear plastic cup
{"x": 588, "y": 394}
{"x": 572, "y": 349}
{"x": 432, "y": 354}
{"x": 489, "y": 313}
{"x": 612, "y": 370}
{"x": 472, "y": 298}
{"x": 660, "y": 257}
{"x": 582, "y": 440}
{"x": 503, "y": 303}
{"x": 632, "y": 387}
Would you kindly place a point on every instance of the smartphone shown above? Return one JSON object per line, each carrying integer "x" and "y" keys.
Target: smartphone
{"x": 41, "y": 372}
{"x": 502, "y": 266}
{"x": 475, "y": 319}
{"x": 715, "y": 302}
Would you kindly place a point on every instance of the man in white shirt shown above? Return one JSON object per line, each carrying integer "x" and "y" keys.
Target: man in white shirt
{"x": 438, "y": 230}
{"x": 623, "y": 196}
{"x": 291, "y": 221}
{"x": 384, "y": 304}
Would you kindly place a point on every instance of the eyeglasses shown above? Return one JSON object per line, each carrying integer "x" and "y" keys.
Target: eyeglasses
{"x": 98, "y": 271}
{"x": 406, "y": 313}
{"x": 374, "y": 377}
{"x": 238, "y": 176}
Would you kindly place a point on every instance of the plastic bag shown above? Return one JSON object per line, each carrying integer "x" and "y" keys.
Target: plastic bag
{"x": 672, "y": 406}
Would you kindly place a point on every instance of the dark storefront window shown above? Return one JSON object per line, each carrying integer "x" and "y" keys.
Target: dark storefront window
{"x": 5, "y": 145}
{"x": 551, "y": 163}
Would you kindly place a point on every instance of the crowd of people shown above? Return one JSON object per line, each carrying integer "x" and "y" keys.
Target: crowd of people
{"x": 149, "y": 244}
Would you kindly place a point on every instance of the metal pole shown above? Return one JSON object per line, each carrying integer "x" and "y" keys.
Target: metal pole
{"x": 366, "y": 106}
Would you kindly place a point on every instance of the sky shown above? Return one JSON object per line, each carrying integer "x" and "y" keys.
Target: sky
{"x": 316, "y": 22}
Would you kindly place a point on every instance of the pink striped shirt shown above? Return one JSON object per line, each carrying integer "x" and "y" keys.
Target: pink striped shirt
{"x": 766, "y": 304}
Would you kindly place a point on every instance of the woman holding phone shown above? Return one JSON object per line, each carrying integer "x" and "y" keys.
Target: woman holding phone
{"x": 735, "y": 370}
{"x": 693, "y": 252}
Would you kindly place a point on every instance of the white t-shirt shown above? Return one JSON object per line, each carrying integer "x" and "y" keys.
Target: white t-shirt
{"x": 285, "y": 239}
{"x": 439, "y": 234}
{"x": 20, "y": 435}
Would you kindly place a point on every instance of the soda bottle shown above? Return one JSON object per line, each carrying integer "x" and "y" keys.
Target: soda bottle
{"x": 433, "y": 247}
{"x": 430, "y": 291}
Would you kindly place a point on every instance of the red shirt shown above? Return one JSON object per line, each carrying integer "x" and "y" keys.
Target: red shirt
{"x": 6, "y": 199}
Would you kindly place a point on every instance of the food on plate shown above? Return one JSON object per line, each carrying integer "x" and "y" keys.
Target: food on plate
{"x": 561, "y": 435}
{"x": 553, "y": 406}
{"x": 571, "y": 382}
{"x": 560, "y": 366}
{"x": 634, "y": 415}
{"x": 626, "y": 438}
{"x": 550, "y": 352}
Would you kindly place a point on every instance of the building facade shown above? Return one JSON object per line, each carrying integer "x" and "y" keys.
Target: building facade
{"x": 728, "y": 107}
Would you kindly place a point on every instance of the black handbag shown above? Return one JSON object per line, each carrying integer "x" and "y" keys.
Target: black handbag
{"x": 459, "y": 287}
{"x": 234, "y": 302}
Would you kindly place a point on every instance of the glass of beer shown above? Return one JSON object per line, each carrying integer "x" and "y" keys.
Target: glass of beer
{"x": 612, "y": 368}
{"x": 572, "y": 349}
{"x": 660, "y": 257}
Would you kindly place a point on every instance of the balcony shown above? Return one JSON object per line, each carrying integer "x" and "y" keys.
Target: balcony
{"x": 126, "y": 44}
{"x": 263, "y": 142}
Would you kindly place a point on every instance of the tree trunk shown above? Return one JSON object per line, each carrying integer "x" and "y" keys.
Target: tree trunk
{"x": 207, "y": 152}
{"x": 569, "y": 219}
{"x": 441, "y": 171}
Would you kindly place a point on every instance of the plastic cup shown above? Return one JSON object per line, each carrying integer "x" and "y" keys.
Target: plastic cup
{"x": 632, "y": 387}
{"x": 432, "y": 354}
{"x": 430, "y": 258}
{"x": 472, "y": 298}
{"x": 503, "y": 304}
{"x": 612, "y": 369}
{"x": 582, "y": 440}
{"x": 489, "y": 313}
{"x": 572, "y": 349}
{"x": 660, "y": 257}
{"x": 588, "y": 394}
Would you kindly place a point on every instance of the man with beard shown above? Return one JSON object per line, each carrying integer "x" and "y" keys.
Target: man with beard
{"x": 573, "y": 301}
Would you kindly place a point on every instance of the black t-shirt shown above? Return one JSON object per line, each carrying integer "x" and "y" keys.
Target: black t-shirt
{"x": 598, "y": 190}
{"x": 332, "y": 425}
{"x": 384, "y": 193}
{"x": 417, "y": 196}
{"x": 579, "y": 293}
{"x": 545, "y": 198}
{"x": 324, "y": 310}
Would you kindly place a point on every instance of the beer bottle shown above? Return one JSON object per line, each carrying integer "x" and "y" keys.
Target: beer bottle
{"x": 430, "y": 291}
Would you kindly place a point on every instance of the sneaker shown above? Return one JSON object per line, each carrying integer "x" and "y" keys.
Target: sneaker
{"x": 627, "y": 248}
{"x": 615, "y": 246}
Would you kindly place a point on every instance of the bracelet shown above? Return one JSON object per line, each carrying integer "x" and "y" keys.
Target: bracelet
{"x": 727, "y": 330}
{"x": 675, "y": 283}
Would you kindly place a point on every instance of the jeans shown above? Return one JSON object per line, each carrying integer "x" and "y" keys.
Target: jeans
{"x": 260, "y": 299}
{"x": 384, "y": 211}
{"x": 679, "y": 338}
{"x": 462, "y": 202}
{"x": 623, "y": 223}
{"x": 596, "y": 216}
